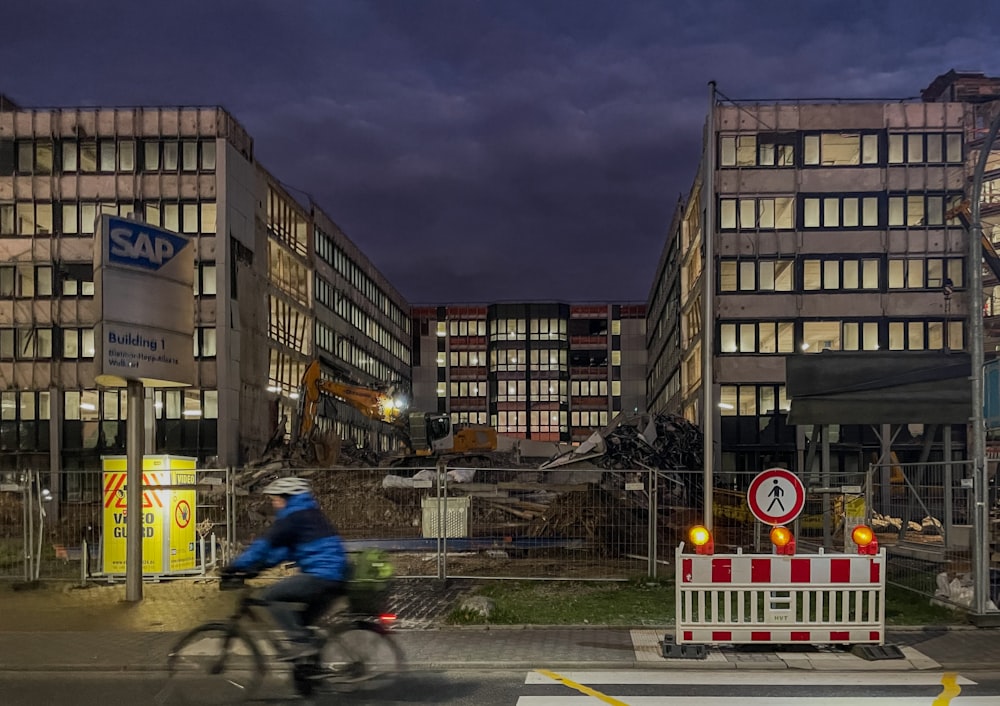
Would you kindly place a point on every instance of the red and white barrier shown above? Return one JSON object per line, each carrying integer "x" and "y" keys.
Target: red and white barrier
{"x": 756, "y": 598}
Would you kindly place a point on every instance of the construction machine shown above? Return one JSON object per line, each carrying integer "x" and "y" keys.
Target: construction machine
{"x": 962, "y": 211}
{"x": 424, "y": 434}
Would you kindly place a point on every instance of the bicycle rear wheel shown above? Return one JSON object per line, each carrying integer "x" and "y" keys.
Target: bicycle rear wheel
{"x": 364, "y": 655}
{"x": 215, "y": 663}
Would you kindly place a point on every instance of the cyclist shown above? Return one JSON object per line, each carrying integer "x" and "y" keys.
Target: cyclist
{"x": 302, "y": 534}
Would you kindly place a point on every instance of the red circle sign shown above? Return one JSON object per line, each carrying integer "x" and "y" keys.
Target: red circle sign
{"x": 776, "y": 496}
{"x": 182, "y": 514}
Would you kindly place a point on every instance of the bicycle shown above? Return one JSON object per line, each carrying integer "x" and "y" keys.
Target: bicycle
{"x": 225, "y": 662}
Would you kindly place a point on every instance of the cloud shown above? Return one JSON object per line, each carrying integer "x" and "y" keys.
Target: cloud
{"x": 487, "y": 150}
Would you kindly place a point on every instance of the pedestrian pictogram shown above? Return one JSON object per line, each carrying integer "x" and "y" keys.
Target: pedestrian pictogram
{"x": 776, "y": 496}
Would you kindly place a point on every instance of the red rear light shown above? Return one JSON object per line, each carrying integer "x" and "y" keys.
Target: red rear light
{"x": 387, "y": 618}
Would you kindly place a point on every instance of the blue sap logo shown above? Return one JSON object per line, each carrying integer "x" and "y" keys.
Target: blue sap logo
{"x": 138, "y": 245}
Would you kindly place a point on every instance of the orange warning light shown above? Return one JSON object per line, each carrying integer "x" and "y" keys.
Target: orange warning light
{"x": 701, "y": 538}
{"x": 783, "y": 541}
{"x": 864, "y": 537}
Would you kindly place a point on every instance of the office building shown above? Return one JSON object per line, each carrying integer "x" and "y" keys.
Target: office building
{"x": 545, "y": 371}
{"x": 831, "y": 228}
{"x": 277, "y": 284}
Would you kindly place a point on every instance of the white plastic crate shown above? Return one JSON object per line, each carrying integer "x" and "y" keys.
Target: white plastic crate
{"x": 456, "y": 516}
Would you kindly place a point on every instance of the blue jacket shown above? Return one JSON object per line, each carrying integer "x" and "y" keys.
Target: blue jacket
{"x": 302, "y": 534}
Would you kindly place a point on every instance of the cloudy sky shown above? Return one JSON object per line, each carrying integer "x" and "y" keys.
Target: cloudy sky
{"x": 487, "y": 150}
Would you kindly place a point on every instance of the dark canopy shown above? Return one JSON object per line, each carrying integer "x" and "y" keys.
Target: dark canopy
{"x": 879, "y": 387}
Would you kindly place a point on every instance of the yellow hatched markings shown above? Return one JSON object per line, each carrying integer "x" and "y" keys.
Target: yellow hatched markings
{"x": 586, "y": 689}
{"x": 951, "y": 689}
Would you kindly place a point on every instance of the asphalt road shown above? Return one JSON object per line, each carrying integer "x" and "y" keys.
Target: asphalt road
{"x": 628, "y": 687}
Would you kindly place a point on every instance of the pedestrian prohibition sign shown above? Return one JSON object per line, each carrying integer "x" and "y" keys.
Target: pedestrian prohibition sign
{"x": 776, "y": 496}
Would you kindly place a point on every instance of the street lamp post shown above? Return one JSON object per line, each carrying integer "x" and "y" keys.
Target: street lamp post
{"x": 981, "y": 515}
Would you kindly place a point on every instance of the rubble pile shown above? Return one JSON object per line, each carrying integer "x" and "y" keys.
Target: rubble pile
{"x": 578, "y": 496}
{"x": 664, "y": 442}
{"x": 610, "y": 524}
{"x": 675, "y": 444}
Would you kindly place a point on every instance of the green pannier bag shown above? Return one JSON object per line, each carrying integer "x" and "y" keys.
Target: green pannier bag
{"x": 368, "y": 588}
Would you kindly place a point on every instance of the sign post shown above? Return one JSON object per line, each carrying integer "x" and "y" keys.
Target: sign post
{"x": 776, "y": 496}
{"x": 143, "y": 279}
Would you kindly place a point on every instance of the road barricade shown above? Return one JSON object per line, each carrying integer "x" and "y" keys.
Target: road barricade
{"x": 762, "y": 598}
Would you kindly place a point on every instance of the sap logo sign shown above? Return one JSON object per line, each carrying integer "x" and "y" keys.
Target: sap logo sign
{"x": 138, "y": 245}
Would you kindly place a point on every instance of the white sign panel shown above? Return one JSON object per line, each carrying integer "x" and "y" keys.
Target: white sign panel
{"x": 143, "y": 279}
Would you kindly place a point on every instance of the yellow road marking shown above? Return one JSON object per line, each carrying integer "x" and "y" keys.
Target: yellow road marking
{"x": 951, "y": 689}
{"x": 586, "y": 689}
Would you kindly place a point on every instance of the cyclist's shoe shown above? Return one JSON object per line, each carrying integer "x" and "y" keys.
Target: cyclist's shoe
{"x": 295, "y": 651}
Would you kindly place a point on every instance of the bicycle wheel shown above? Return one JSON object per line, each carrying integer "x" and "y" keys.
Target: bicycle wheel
{"x": 215, "y": 663}
{"x": 363, "y": 655}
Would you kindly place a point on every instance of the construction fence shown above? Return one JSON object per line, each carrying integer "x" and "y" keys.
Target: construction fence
{"x": 187, "y": 523}
{"x": 452, "y": 522}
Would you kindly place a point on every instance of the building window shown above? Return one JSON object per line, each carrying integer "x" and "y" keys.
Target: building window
{"x": 840, "y": 149}
{"x": 756, "y": 275}
{"x": 752, "y": 400}
{"x": 31, "y": 344}
{"x": 71, "y": 343}
{"x": 204, "y": 281}
{"x": 925, "y": 148}
{"x": 766, "y": 149}
{"x": 920, "y": 273}
{"x": 757, "y": 213}
{"x": 764, "y": 337}
{"x": 840, "y": 274}
{"x": 850, "y": 211}
{"x": 204, "y": 342}
{"x": 918, "y": 210}
{"x": 926, "y": 335}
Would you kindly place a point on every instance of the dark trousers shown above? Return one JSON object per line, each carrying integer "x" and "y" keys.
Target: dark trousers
{"x": 315, "y": 594}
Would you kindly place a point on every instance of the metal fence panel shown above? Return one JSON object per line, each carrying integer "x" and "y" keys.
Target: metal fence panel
{"x": 450, "y": 522}
{"x": 63, "y": 538}
{"x": 14, "y": 540}
{"x": 924, "y": 518}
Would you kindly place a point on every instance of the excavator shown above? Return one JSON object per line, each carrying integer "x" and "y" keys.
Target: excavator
{"x": 424, "y": 434}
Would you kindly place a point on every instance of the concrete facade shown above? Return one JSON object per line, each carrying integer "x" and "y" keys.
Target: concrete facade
{"x": 262, "y": 262}
{"x": 546, "y": 370}
{"x": 828, "y": 232}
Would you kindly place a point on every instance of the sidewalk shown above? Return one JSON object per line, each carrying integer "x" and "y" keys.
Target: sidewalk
{"x": 93, "y": 629}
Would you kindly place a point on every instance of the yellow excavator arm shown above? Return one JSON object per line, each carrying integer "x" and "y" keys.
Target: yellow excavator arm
{"x": 374, "y": 404}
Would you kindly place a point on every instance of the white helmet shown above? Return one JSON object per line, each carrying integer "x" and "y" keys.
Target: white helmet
{"x": 287, "y": 486}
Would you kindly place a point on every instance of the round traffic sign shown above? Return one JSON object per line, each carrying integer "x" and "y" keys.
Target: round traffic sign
{"x": 182, "y": 514}
{"x": 776, "y": 496}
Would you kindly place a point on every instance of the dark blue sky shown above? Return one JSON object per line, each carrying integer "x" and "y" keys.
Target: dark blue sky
{"x": 487, "y": 150}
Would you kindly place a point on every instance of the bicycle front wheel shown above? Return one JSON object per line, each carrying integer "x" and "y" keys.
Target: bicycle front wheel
{"x": 215, "y": 663}
{"x": 364, "y": 655}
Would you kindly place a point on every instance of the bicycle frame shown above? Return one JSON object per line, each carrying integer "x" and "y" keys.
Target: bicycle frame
{"x": 247, "y": 611}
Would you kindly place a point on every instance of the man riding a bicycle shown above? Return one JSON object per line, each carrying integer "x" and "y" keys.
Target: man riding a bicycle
{"x": 301, "y": 534}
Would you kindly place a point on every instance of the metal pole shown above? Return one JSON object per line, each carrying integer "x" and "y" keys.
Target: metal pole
{"x": 135, "y": 441}
{"x": 654, "y": 517}
{"x": 981, "y": 516}
{"x": 26, "y": 517}
{"x": 708, "y": 319}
